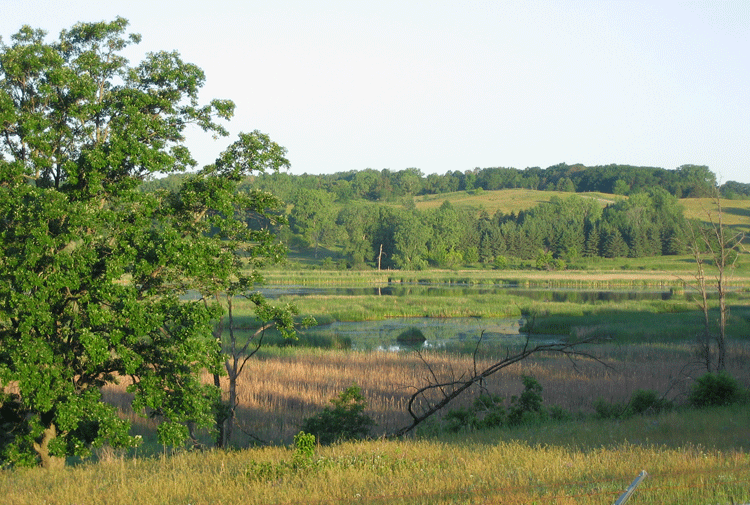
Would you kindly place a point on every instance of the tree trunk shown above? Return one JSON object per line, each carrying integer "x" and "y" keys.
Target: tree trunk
{"x": 232, "y": 402}
{"x": 42, "y": 449}
{"x": 220, "y": 418}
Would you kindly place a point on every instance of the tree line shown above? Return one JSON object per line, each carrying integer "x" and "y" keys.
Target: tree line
{"x": 338, "y": 211}
{"x": 687, "y": 181}
{"x": 650, "y": 223}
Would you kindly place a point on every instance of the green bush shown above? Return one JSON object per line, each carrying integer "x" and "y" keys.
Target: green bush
{"x": 346, "y": 420}
{"x": 647, "y": 401}
{"x": 608, "y": 410}
{"x": 459, "y": 419}
{"x": 501, "y": 262}
{"x": 412, "y": 336}
{"x": 714, "y": 390}
{"x": 304, "y": 449}
{"x": 489, "y": 412}
{"x": 528, "y": 405}
{"x": 557, "y": 413}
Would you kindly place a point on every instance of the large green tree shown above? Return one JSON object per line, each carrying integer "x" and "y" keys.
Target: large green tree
{"x": 92, "y": 270}
{"x": 314, "y": 217}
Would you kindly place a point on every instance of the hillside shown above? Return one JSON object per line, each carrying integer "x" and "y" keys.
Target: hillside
{"x": 504, "y": 200}
{"x": 736, "y": 213}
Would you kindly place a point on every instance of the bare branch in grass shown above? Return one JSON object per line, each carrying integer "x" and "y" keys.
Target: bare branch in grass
{"x": 423, "y": 404}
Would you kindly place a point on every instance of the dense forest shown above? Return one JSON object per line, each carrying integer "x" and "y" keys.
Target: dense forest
{"x": 371, "y": 218}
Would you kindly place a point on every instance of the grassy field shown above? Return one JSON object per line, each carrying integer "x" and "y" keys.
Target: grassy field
{"x": 735, "y": 213}
{"x": 494, "y": 468}
{"x": 504, "y": 200}
{"x": 692, "y": 457}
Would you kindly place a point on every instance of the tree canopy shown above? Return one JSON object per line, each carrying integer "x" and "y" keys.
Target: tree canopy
{"x": 93, "y": 271}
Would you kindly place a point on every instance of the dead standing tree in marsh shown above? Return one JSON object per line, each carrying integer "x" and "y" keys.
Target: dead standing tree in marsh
{"x": 714, "y": 246}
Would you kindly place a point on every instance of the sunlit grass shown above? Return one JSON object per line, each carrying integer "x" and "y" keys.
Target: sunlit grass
{"x": 492, "y": 467}
{"x": 279, "y": 388}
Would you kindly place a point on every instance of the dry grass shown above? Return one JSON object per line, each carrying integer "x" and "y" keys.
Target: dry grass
{"x": 460, "y": 471}
{"x": 692, "y": 458}
{"x": 277, "y": 391}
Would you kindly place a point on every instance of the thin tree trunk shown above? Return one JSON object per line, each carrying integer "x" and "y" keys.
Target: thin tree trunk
{"x": 220, "y": 416}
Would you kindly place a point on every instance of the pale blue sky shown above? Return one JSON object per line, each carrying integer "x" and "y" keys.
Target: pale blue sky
{"x": 454, "y": 85}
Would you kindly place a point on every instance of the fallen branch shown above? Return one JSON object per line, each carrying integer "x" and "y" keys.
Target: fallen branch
{"x": 421, "y": 406}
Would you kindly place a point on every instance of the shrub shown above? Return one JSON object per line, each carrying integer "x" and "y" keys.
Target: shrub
{"x": 501, "y": 262}
{"x": 527, "y": 406}
{"x": 459, "y": 419}
{"x": 489, "y": 412}
{"x": 346, "y": 420}
{"x": 714, "y": 390}
{"x": 608, "y": 410}
{"x": 412, "y": 336}
{"x": 304, "y": 449}
{"x": 647, "y": 401}
{"x": 557, "y": 413}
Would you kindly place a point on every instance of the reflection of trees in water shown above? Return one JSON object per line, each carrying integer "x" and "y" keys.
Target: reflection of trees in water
{"x": 548, "y": 295}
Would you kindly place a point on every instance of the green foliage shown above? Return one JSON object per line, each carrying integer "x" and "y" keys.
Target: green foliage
{"x": 648, "y": 401}
{"x": 346, "y": 420}
{"x": 459, "y": 419}
{"x": 559, "y": 414}
{"x": 304, "y": 449}
{"x": 488, "y": 411}
{"x": 608, "y": 410}
{"x": 92, "y": 269}
{"x": 715, "y": 390}
{"x": 642, "y": 402}
{"x": 501, "y": 262}
{"x": 527, "y": 406}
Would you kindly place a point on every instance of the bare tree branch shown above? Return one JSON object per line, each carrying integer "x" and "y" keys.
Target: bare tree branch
{"x": 421, "y": 406}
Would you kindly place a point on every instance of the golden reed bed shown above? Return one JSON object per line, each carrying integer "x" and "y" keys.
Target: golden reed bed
{"x": 277, "y": 391}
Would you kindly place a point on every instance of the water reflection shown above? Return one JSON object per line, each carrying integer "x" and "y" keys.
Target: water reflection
{"x": 570, "y": 295}
{"x": 382, "y": 335}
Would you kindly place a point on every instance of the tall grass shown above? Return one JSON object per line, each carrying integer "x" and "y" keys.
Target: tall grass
{"x": 282, "y": 387}
{"x": 495, "y": 467}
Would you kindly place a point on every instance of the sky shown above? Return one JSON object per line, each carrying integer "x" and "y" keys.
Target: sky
{"x": 455, "y": 85}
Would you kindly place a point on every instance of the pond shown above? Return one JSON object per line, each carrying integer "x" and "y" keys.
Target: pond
{"x": 460, "y": 332}
{"x": 439, "y": 332}
{"x": 572, "y": 295}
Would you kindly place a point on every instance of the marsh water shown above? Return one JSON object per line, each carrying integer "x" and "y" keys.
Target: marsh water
{"x": 438, "y": 332}
{"x": 442, "y": 332}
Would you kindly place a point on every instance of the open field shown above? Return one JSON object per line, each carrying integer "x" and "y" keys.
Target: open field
{"x": 494, "y": 468}
{"x": 504, "y": 200}
{"x": 692, "y": 457}
{"x": 736, "y": 213}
